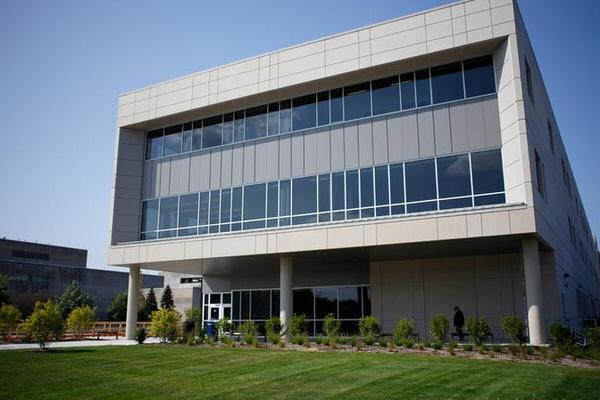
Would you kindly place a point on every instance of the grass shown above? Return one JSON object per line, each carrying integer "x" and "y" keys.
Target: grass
{"x": 178, "y": 372}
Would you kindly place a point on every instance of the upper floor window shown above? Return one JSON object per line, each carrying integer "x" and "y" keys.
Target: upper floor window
{"x": 479, "y": 76}
{"x": 551, "y": 137}
{"x": 529, "y": 81}
{"x": 540, "y": 176}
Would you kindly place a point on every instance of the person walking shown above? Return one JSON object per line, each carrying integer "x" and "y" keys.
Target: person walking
{"x": 459, "y": 322}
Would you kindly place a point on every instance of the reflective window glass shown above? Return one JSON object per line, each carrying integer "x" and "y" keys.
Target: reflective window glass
{"x": 386, "y": 97}
{"x": 303, "y": 302}
{"x": 366, "y": 300}
{"x": 325, "y": 302}
{"x": 212, "y": 132}
{"x": 352, "y": 189}
{"x": 487, "y": 172}
{"x": 149, "y": 215}
{"x": 407, "y": 88}
{"x": 490, "y": 199}
{"x": 168, "y": 213}
{"x": 420, "y": 180}
{"x": 338, "y": 191}
{"x": 260, "y": 301}
{"x": 225, "y": 205}
{"x": 203, "y": 208}
{"x": 357, "y": 101}
{"x": 256, "y": 122}
{"x": 366, "y": 187}
{"x": 284, "y": 197}
{"x": 245, "y": 309}
{"x": 154, "y": 144}
{"x": 456, "y": 203}
{"x": 323, "y": 108}
{"x": 238, "y": 126}
{"x": 423, "y": 88}
{"x": 479, "y": 76}
{"x": 188, "y": 210}
{"x": 236, "y": 204}
{"x": 275, "y": 303}
{"x": 304, "y": 112}
{"x": 397, "y": 183}
{"x": 187, "y": 137}
{"x": 215, "y": 200}
{"x": 228, "y": 128}
{"x": 337, "y": 107}
{"x": 285, "y": 116}
{"x": 304, "y": 195}
{"x": 236, "y": 305}
{"x": 447, "y": 83}
{"x": 273, "y": 119}
{"x": 324, "y": 193}
{"x": 272, "y": 199}
{"x": 454, "y": 176}
{"x": 197, "y": 135}
{"x": 254, "y": 201}
{"x": 382, "y": 196}
{"x": 173, "y": 138}
{"x": 349, "y": 302}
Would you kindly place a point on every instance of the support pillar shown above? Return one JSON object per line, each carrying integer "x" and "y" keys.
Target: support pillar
{"x": 533, "y": 290}
{"x": 285, "y": 293}
{"x": 132, "y": 301}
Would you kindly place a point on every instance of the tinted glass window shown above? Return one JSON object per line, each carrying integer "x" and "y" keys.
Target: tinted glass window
{"x": 261, "y": 304}
{"x": 236, "y": 305}
{"x": 397, "y": 183}
{"x": 228, "y": 128}
{"x": 352, "y": 189}
{"x": 197, "y": 135}
{"x": 366, "y": 300}
{"x": 366, "y": 187}
{"x": 225, "y": 205}
{"x": 254, "y": 201}
{"x": 324, "y": 193}
{"x": 386, "y": 97}
{"x": 420, "y": 180}
{"x": 304, "y": 112}
{"x": 382, "y": 196}
{"x": 272, "y": 199}
{"x": 479, "y": 76}
{"x": 357, "y": 101}
{"x": 212, "y": 132}
{"x": 337, "y": 107}
{"x": 203, "y": 214}
{"x": 407, "y": 87}
{"x": 304, "y": 200}
{"x": 256, "y": 122}
{"x": 323, "y": 108}
{"x": 245, "y": 309}
{"x": 325, "y": 302}
{"x": 275, "y": 303}
{"x": 188, "y": 210}
{"x": 154, "y": 144}
{"x": 349, "y": 302}
{"x": 487, "y": 172}
{"x": 454, "y": 178}
{"x": 173, "y": 138}
{"x": 236, "y": 204}
{"x": 149, "y": 215}
{"x": 284, "y": 197}
{"x": 273, "y": 119}
{"x": 187, "y": 137}
{"x": 285, "y": 116}
{"x": 304, "y": 302}
{"x": 238, "y": 126}
{"x": 447, "y": 82}
{"x": 168, "y": 213}
{"x": 215, "y": 200}
{"x": 423, "y": 88}
{"x": 337, "y": 187}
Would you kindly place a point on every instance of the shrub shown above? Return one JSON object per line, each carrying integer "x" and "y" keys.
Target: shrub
{"x": 496, "y": 348}
{"x": 403, "y": 330}
{"x": 250, "y": 330}
{"x": 117, "y": 309}
{"x": 420, "y": 347}
{"x": 352, "y": 341}
{"x": 319, "y": 339}
{"x": 325, "y": 341}
{"x": 273, "y": 326}
{"x": 478, "y": 329}
{"x": 73, "y": 297}
{"x": 513, "y": 329}
{"x": 368, "y": 326}
{"x": 81, "y": 320}
{"x": 593, "y": 337}
{"x": 426, "y": 343}
{"x": 369, "y": 340}
{"x": 192, "y": 315}
{"x": 298, "y": 339}
{"x": 514, "y": 349}
{"x": 298, "y": 325}
{"x": 44, "y": 323}
{"x": 306, "y": 342}
{"x": 437, "y": 345}
{"x": 468, "y": 347}
{"x": 382, "y": 341}
{"x": 140, "y": 335}
{"x": 481, "y": 349}
{"x": 223, "y": 326}
{"x": 166, "y": 324}
{"x": 561, "y": 337}
{"x": 273, "y": 338}
{"x": 10, "y": 316}
{"x": 439, "y": 327}
{"x": 409, "y": 343}
{"x": 331, "y": 325}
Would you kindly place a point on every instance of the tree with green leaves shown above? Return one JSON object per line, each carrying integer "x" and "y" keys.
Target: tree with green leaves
{"x": 45, "y": 323}
{"x": 4, "y": 279}
{"x": 166, "y": 300}
{"x": 166, "y": 325}
{"x": 117, "y": 309}
{"x": 81, "y": 320}
{"x": 151, "y": 303}
{"x": 73, "y": 296}
{"x": 10, "y": 316}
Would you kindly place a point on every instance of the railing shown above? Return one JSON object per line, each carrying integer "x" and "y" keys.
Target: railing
{"x": 100, "y": 328}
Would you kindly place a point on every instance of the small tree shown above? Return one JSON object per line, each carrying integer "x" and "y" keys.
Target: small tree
{"x": 513, "y": 329}
{"x": 404, "y": 330}
{"x": 439, "y": 327}
{"x": 81, "y": 320}
{"x": 73, "y": 296}
{"x": 4, "y": 279}
{"x": 593, "y": 337}
{"x": 331, "y": 326}
{"x": 151, "y": 303}
{"x": 478, "y": 329}
{"x": 117, "y": 309}
{"x": 561, "y": 337}
{"x": 144, "y": 313}
{"x": 44, "y": 323}
{"x": 166, "y": 300}
{"x": 368, "y": 326}
{"x": 166, "y": 324}
{"x": 10, "y": 316}
{"x": 250, "y": 330}
{"x": 273, "y": 326}
{"x": 194, "y": 315}
{"x": 223, "y": 326}
{"x": 298, "y": 325}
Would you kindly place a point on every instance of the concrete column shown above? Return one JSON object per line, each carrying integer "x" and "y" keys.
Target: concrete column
{"x": 533, "y": 290}
{"x": 285, "y": 292}
{"x": 132, "y": 301}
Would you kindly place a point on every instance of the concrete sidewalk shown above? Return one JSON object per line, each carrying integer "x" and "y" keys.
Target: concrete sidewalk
{"x": 76, "y": 343}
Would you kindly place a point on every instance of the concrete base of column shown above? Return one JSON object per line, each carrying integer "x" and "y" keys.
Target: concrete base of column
{"x": 533, "y": 291}
{"x": 132, "y": 301}
{"x": 285, "y": 294}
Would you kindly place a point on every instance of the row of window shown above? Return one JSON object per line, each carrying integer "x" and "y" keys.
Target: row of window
{"x": 459, "y": 80}
{"x": 457, "y": 181}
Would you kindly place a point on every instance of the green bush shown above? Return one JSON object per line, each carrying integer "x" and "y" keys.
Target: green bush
{"x": 593, "y": 337}
{"x": 10, "y": 316}
{"x": 192, "y": 315}
{"x": 117, "y": 309}
{"x": 298, "y": 325}
{"x": 250, "y": 330}
{"x": 478, "y": 329}
{"x": 298, "y": 339}
{"x": 319, "y": 339}
{"x": 81, "y": 319}
{"x": 468, "y": 347}
{"x": 405, "y": 329}
{"x": 543, "y": 352}
{"x": 223, "y": 327}
{"x": 439, "y": 327}
{"x": 496, "y": 348}
{"x": 408, "y": 343}
{"x": 561, "y": 337}
{"x": 382, "y": 341}
{"x": 140, "y": 335}
{"x": 369, "y": 340}
{"x": 44, "y": 323}
{"x": 369, "y": 326}
{"x": 437, "y": 345}
{"x": 352, "y": 341}
{"x": 166, "y": 324}
{"x": 273, "y": 326}
{"x": 273, "y": 338}
{"x": 426, "y": 343}
{"x": 331, "y": 326}
{"x": 73, "y": 297}
{"x": 513, "y": 329}
{"x": 514, "y": 349}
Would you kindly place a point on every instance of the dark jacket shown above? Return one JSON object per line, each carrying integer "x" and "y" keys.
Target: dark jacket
{"x": 459, "y": 319}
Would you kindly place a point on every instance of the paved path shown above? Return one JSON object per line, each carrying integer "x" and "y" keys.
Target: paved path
{"x": 76, "y": 343}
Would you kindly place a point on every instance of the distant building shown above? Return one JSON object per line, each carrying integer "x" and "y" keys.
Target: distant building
{"x": 40, "y": 271}
{"x": 186, "y": 289}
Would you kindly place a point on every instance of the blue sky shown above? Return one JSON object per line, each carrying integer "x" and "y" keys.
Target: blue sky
{"x": 63, "y": 64}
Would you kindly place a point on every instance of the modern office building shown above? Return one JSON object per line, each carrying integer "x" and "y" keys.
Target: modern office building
{"x": 397, "y": 170}
{"x": 39, "y": 271}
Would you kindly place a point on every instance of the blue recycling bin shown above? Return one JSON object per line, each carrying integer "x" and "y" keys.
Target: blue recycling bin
{"x": 210, "y": 326}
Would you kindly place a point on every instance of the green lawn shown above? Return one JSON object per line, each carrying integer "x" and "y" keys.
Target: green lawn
{"x": 177, "y": 372}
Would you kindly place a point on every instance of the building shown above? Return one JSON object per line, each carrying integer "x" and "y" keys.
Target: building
{"x": 186, "y": 290}
{"x": 396, "y": 170}
{"x": 41, "y": 271}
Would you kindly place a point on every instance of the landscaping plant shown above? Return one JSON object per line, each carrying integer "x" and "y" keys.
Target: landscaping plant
{"x": 45, "y": 323}
{"x": 223, "y": 327}
{"x": 81, "y": 319}
{"x": 298, "y": 325}
{"x": 513, "y": 329}
{"x": 166, "y": 300}
{"x": 10, "y": 316}
{"x": 166, "y": 325}
{"x": 369, "y": 326}
{"x": 250, "y": 331}
{"x": 117, "y": 309}
{"x": 561, "y": 337}
{"x": 73, "y": 297}
{"x": 331, "y": 326}
{"x": 439, "y": 327}
{"x": 405, "y": 329}
{"x": 140, "y": 335}
{"x": 478, "y": 329}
